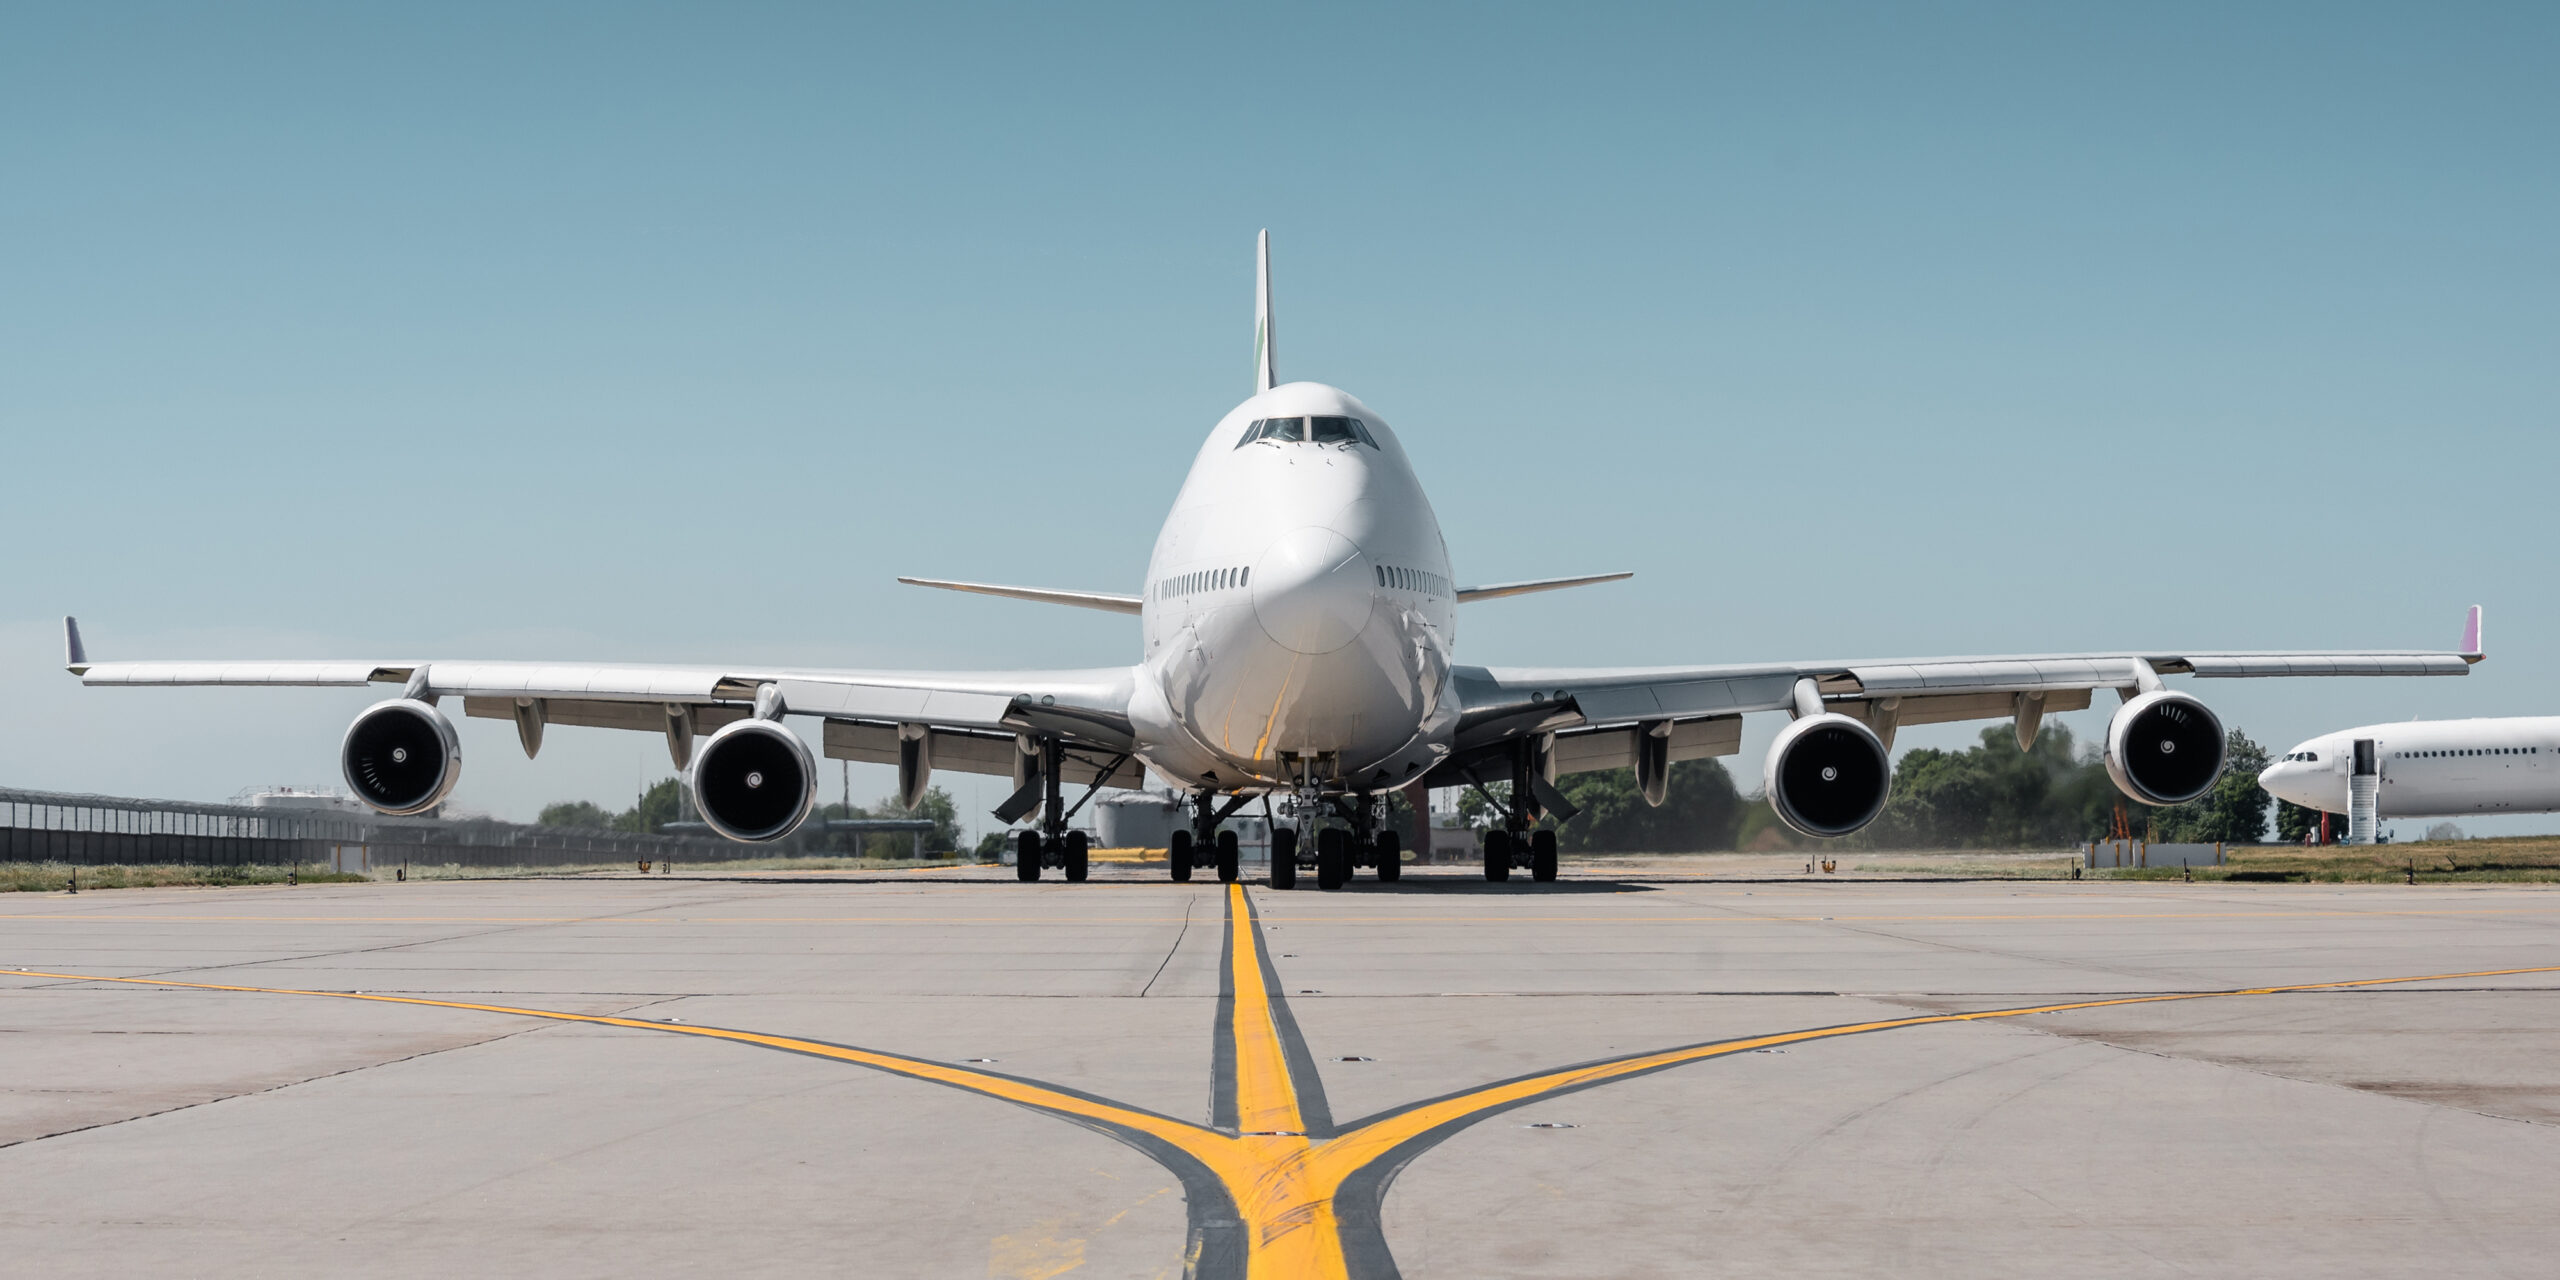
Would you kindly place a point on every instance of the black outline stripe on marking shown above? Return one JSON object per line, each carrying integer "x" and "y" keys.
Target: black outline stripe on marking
{"x": 1222, "y": 1032}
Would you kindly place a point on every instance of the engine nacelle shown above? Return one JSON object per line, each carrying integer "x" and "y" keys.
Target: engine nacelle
{"x": 2164, "y": 748}
{"x": 754, "y": 780}
{"x": 401, "y": 756}
{"x": 1827, "y": 775}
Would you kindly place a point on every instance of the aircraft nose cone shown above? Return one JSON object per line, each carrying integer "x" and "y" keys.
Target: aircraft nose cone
{"x": 1312, "y": 590}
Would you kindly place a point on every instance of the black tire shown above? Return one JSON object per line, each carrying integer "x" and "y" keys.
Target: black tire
{"x": 1390, "y": 857}
{"x": 1076, "y": 849}
{"x": 1333, "y": 858}
{"x": 1227, "y": 856}
{"x": 1284, "y": 859}
{"x": 1178, "y": 857}
{"x": 1026, "y": 857}
{"x": 1542, "y": 856}
{"x": 1497, "y": 856}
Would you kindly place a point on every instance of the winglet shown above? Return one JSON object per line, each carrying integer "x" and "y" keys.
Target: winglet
{"x": 75, "y": 655}
{"x": 1265, "y": 365}
{"x": 2471, "y": 650}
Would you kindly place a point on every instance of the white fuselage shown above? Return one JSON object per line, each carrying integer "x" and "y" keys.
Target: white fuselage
{"x": 2432, "y": 768}
{"x": 1299, "y": 611}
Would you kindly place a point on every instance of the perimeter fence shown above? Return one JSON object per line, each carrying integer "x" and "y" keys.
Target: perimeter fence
{"x": 89, "y": 830}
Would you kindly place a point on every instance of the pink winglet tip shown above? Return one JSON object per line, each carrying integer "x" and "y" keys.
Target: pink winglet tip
{"x": 2471, "y": 631}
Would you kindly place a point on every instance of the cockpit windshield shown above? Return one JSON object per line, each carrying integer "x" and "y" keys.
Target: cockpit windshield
{"x": 1320, "y": 429}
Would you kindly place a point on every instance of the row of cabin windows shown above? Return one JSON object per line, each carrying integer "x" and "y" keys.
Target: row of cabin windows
{"x": 1397, "y": 579}
{"x": 2313, "y": 757}
{"x": 1183, "y": 584}
{"x": 1315, "y": 430}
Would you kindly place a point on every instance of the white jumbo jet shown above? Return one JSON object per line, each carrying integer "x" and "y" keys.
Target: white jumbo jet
{"x": 1300, "y": 619}
{"x": 2430, "y": 768}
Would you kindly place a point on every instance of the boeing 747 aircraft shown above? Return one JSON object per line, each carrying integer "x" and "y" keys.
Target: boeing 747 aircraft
{"x": 2430, "y": 768}
{"x": 1299, "y": 630}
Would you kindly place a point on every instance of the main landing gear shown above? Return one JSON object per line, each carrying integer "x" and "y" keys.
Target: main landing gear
{"x": 1033, "y": 851}
{"x": 1514, "y": 845}
{"x": 1203, "y": 844}
{"x": 1505, "y": 851}
{"x": 1052, "y": 845}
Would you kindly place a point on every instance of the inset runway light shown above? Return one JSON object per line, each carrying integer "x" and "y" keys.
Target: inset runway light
{"x": 977, "y": 1059}
{"x": 1551, "y": 1124}
{"x": 1355, "y": 1058}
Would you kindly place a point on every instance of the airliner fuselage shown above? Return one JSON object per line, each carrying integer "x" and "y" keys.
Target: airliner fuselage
{"x": 1299, "y": 611}
{"x": 2431, "y": 768}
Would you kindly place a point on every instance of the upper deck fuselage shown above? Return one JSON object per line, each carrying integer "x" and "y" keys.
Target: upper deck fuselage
{"x": 1299, "y": 610}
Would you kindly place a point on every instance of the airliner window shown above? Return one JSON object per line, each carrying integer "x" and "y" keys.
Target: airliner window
{"x": 1332, "y": 431}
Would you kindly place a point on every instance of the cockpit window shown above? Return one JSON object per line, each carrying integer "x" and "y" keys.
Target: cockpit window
{"x": 1319, "y": 430}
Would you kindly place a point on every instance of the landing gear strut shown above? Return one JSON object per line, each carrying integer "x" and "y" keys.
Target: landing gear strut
{"x": 1519, "y": 841}
{"x": 1052, "y": 845}
{"x": 1204, "y": 843}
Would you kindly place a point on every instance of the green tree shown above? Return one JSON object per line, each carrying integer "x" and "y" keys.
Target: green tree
{"x": 1991, "y": 795}
{"x": 575, "y": 813}
{"x": 1700, "y": 812}
{"x": 659, "y": 805}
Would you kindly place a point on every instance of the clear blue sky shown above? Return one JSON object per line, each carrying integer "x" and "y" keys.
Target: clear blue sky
{"x": 674, "y": 332}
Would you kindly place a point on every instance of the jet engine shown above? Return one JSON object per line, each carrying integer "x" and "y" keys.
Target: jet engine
{"x": 401, "y": 756}
{"x": 753, "y": 780}
{"x": 2164, "y": 748}
{"x": 1827, "y": 775}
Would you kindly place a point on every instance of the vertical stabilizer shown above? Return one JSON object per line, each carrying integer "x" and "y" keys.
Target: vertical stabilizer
{"x": 1265, "y": 368}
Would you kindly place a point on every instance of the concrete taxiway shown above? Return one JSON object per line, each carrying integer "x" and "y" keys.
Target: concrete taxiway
{"x": 957, "y": 1075}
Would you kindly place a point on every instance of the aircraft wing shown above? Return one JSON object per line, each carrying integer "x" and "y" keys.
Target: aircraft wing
{"x": 974, "y": 716}
{"x": 1596, "y": 711}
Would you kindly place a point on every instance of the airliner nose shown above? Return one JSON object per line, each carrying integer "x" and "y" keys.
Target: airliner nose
{"x": 1312, "y": 590}
{"x": 2277, "y": 779}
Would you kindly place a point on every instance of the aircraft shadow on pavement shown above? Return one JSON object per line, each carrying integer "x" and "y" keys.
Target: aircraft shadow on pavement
{"x": 1477, "y": 884}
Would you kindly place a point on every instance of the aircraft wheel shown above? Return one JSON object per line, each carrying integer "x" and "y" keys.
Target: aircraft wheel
{"x": 1390, "y": 857}
{"x": 1284, "y": 859}
{"x": 1497, "y": 856}
{"x": 1076, "y": 848}
{"x": 1026, "y": 857}
{"x": 1227, "y": 856}
{"x": 1178, "y": 857}
{"x": 1542, "y": 856}
{"x": 1333, "y": 858}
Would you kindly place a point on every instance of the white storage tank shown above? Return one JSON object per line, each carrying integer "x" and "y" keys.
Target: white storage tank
{"x": 1136, "y": 819}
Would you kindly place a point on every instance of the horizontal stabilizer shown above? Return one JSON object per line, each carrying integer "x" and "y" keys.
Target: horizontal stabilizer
{"x": 1498, "y": 590}
{"x": 1104, "y": 601}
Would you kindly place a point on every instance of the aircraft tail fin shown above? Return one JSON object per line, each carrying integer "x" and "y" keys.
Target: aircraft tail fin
{"x": 1265, "y": 369}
